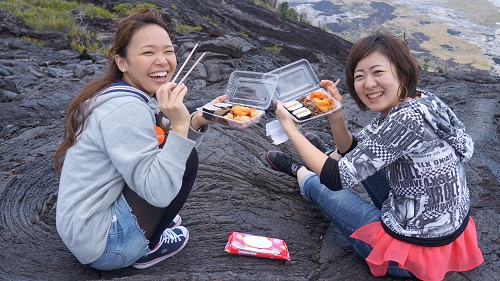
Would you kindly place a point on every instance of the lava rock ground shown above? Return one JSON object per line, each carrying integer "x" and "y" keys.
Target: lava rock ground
{"x": 236, "y": 190}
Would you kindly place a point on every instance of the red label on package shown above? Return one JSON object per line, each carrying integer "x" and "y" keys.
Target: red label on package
{"x": 256, "y": 246}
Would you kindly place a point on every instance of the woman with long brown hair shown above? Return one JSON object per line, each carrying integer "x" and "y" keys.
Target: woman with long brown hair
{"x": 122, "y": 183}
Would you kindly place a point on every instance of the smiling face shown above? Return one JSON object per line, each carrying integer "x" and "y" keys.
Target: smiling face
{"x": 150, "y": 60}
{"x": 376, "y": 83}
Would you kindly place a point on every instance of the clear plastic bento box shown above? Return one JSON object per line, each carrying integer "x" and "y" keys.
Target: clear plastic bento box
{"x": 249, "y": 94}
{"x": 297, "y": 87}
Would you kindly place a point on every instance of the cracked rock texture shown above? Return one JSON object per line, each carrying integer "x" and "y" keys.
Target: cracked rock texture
{"x": 236, "y": 190}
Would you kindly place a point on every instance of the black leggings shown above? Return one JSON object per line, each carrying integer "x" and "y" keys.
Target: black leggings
{"x": 154, "y": 220}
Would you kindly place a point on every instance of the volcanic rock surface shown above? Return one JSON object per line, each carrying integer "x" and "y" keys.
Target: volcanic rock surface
{"x": 236, "y": 190}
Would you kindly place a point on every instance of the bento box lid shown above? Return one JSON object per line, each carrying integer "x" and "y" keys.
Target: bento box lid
{"x": 251, "y": 89}
{"x": 294, "y": 80}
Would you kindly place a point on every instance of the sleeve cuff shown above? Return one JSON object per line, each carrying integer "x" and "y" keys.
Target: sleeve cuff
{"x": 353, "y": 145}
{"x": 330, "y": 175}
{"x": 202, "y": 129}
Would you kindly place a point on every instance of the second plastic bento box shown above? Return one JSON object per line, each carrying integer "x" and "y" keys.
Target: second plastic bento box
{"x": 297, "y": 84}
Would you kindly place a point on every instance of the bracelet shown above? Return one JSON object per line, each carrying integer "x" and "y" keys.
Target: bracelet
{"x": 201, "y": 129}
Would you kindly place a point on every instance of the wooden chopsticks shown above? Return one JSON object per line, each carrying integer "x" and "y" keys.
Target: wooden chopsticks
{"x": 191, "y": 69}
{"x": 184, "y": 64}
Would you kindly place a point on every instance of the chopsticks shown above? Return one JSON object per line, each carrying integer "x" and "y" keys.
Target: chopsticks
{"x": 191, "y": 69}
{"x": 184, "y": 64}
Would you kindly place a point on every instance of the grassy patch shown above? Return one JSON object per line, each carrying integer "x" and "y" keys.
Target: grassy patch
{"x": 184, "y": 28}
{"x": 66, "y": 17}
{"x": 274, "y": 49}
{"x": 210, "y": 21}
{"x": 55, "y": 15}
{"x": 266, "y": 4}
{"x": 33, "y": 41}
{"x": 52, "y": 14}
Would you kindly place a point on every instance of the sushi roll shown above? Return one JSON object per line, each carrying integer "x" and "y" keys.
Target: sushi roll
{"x": 209, "y": 112}
{"x": 222, "y": 111}
{"x": 302, "y": 113}
{"x": 223, "y": 105}
{"x": 292, "y": 105}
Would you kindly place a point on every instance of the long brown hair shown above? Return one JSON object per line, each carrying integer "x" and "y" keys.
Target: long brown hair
{"x": 78, "y": 110}
{"x": 398, "y": 53}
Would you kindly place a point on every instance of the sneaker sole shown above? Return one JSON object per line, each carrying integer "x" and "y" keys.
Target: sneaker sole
{"x": 155, "y": 261}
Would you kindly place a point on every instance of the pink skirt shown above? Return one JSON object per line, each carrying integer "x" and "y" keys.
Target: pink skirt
{"x": 426, "y": 263}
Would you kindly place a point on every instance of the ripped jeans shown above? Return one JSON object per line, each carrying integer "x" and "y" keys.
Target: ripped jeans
{"x": 348, "y": 211}
{"x": 126, "y": 242}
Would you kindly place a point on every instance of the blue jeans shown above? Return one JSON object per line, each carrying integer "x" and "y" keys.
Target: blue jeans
{"x": 126, "y": 242}
{"x": 348, "y": 211}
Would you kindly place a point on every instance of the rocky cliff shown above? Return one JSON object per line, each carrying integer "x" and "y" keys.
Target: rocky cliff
{"x": 236, "y": 190}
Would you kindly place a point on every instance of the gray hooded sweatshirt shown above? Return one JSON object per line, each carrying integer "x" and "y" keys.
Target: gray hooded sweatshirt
{"x": 118, "y": 146}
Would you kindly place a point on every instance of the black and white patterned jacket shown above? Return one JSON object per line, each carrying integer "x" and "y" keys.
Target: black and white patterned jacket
{"x": 422, "y": 146}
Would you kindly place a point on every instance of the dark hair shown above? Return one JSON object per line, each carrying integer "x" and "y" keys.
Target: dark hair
{"x": 77, "y": 111}
{"x": 398, "y": 53}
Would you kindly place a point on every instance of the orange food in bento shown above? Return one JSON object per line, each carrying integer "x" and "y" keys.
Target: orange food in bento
{"x": 322, "y": 101}
{"x": 319, "y": 95}
{"x": 242, "y": 113}
{"x": 323, "y": 104}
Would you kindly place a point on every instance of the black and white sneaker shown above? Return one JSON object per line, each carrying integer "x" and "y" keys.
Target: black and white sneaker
{"x": 283, "y": 162}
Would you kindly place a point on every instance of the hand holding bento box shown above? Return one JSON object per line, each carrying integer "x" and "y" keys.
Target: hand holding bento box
{"x": 234, "y": 115}
{"x": 331, "y": 87}
{"x": 310, "y": 106}
{"x": 299, "y": 91}
{"x": 198, "y": 120}
{"x": 249, "y": 94}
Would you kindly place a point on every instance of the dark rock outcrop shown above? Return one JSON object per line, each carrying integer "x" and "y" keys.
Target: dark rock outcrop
{"x": 236, "y": 190}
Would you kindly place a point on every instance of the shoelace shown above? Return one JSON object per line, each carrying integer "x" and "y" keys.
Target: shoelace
{"x": 166, "y": 237}
{"x": 169, "y": 236}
